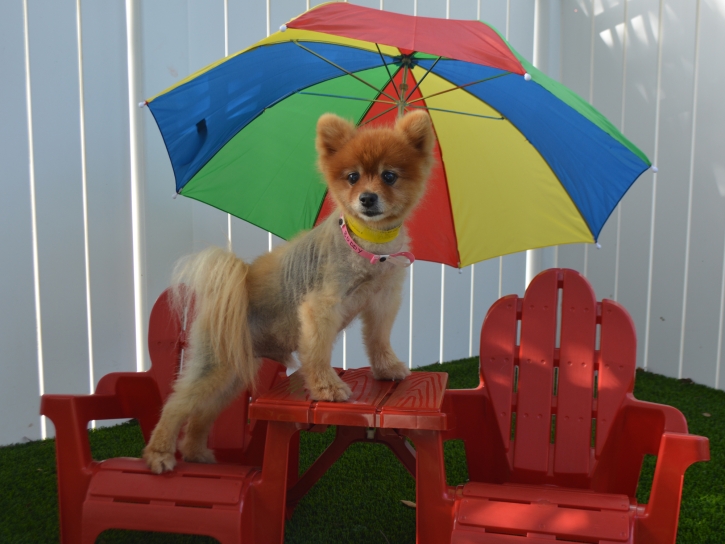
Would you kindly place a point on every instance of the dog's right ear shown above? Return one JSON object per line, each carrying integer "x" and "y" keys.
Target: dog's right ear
{"x": 332, "y": 133}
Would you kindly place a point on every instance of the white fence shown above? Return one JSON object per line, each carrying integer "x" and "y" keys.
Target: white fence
{"x": 89, "y": 230}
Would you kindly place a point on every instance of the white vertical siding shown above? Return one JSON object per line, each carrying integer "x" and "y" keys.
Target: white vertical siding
{"x": 167, "y": 222}
{"x": 640, "y": 111}
{"x": 108, "y": 167}
{"x": 671, "y": 201}
{"x": 651, "y": 66}
{"x": 703, "y": 320}
{"x": 55, "y": 98}
{"x": 19, "y": 382}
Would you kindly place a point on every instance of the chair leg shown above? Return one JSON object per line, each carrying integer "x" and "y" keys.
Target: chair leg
{"x": 434, "y": 505}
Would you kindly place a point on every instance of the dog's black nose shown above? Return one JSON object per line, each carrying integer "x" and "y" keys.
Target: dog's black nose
{"x": 368, "y": 200}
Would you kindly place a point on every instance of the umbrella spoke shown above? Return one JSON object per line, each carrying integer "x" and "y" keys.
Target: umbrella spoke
{"x": 417, "y": 84}
{"x": 456, "y": 112}
{"x": 361, "y": 80}
{"x": 379, "y": 115}
{"x": 346, "y": 97}
{"x": 388, "y": 69}
{"x": 456, "y": 87}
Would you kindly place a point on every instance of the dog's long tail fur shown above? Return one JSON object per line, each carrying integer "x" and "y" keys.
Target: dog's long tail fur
{"x": 212, "y": 284}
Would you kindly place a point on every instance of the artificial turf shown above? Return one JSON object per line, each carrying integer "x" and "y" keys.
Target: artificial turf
{"x": 359, "y": 498}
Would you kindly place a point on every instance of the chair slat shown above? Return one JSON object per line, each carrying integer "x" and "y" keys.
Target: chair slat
{"x": 576, "y": 376}
{"x": 618, "y": 359}
{"x": 498, "y": 349}
{"x": 536, "y": 371}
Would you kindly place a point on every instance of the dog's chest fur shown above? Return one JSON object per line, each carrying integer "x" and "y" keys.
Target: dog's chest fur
{"x": 317, "y": 265}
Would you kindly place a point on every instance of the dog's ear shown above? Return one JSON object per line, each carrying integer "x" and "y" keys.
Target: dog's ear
{"x": 332, "y": 133}
{"x": 417, "y": 128}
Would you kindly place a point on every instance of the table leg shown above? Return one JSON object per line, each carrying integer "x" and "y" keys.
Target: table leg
{"x": 270, "y": 491}
{"x": 434, "y": 503}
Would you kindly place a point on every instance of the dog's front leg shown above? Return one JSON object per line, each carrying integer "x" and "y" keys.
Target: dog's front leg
{"x": 320, "y": 321}
{"x": 378, "y": 317}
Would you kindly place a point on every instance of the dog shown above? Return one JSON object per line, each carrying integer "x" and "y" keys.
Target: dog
{"x": 298, "y": 297}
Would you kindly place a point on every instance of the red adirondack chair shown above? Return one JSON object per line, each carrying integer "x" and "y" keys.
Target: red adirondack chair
{"x": 554, "y": 437}
{"x": 122, "y": 493}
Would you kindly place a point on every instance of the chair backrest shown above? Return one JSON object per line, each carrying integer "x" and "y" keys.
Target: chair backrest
{"x": 556, "y": 366}
{"x": 167, "y": 340}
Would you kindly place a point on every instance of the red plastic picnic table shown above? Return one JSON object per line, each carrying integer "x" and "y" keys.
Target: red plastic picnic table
{"x": 385, "y": 412}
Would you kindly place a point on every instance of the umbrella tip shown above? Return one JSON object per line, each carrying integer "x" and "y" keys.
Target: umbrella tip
{"x": 283, "y": 28}
{"x": 655, "y": 169}
{"x": 527, "y": 76}
{"x": 142, "y": 104}
{"x": 599, "y": 246}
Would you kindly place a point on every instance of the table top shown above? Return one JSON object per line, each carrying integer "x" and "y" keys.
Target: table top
{"x": 413, "y": 403}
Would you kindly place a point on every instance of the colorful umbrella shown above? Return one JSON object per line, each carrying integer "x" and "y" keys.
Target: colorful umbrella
{"x": 522, "y": 162}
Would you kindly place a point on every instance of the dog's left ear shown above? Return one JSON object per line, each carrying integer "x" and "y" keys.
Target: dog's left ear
{"x": 417, "y": 128}
{"x": 332, "y": 133}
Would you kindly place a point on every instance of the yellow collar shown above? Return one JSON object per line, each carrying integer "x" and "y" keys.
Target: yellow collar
{"x": 371, "y": 235}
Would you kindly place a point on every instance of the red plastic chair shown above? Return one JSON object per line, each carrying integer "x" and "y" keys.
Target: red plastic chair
{"x": 554, "y": 437}
{"x": 122, "y": 493}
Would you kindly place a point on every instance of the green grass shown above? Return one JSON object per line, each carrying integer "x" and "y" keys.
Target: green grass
{"x": 358, "y": 500}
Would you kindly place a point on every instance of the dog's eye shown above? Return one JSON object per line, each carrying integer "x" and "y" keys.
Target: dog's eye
{"x": 352, "y": 177}
{"x": 389, "y": 177}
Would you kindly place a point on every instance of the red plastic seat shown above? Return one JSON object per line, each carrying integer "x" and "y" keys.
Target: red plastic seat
{"x": 122, "y": 493}
{"x": 554, "y": 437}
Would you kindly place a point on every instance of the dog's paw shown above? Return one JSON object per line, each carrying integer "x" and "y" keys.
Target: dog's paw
{"x": 159, "y": 461}
{"x": 393, "y": 371}
{"x": 332, "y": 389}
{"x": 200, "y": 456}
{"x": 195, "y": 454}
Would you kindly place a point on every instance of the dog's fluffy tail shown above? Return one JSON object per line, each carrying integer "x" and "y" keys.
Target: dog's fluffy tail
{"x": 213, "y": 284}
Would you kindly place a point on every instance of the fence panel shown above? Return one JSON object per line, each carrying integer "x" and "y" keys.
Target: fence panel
{"x": 640, "y": 117}
{"x": 671, "y": 204}
{"x": 55, "y": 95}
{"x": 701, "y": 353}
{"x": 107, "y": 157}
{"x": 614, "y": 54}
{"x": 167, "y": 223}
{"x": 19, "y": 383}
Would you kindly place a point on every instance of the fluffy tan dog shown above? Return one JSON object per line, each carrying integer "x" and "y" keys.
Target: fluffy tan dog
{"x": 298, "y": 297}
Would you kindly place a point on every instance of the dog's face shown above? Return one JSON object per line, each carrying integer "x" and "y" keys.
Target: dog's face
{"x": 376, "y": 174}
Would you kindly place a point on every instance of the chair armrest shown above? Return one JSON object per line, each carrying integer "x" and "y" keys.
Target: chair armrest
{"x": 668, "y": 417}
{"x": 119, "y": 395}
{"x": 470, "y": 419}
{"x": 637, "y": 432}
{"x": 676, "y": 453}
{"x": 138, "y": 395}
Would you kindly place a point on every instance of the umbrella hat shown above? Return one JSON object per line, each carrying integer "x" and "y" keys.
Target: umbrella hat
{"x": 522, "y": 161}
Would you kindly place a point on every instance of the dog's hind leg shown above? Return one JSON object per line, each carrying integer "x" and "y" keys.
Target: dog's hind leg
{"x": 193, "y": 446}
{"x": 378, "y": 317}
{"x": 320, "y": 321}
{"x": 200, "y": 392}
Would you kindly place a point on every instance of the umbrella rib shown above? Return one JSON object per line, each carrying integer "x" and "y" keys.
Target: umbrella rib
{"x": 460, "y": 87}
{"x": 388, "y": 70}
{"x": 342, "y": 69}
{"x": 347, "y": 97}
{"x": 457, "y": 112}
{"x": 378, "y": 115}
{"x": 417, "y": 84}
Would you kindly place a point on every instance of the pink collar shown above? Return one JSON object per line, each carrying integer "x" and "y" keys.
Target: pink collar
{"x": 372, "y": 257}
